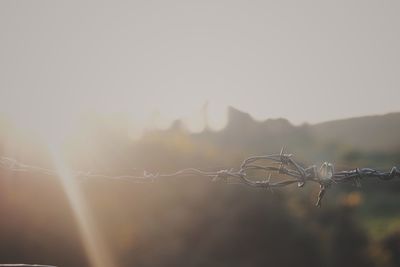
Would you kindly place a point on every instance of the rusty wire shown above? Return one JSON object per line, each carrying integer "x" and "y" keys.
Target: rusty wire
{"x": 290, "y": 172}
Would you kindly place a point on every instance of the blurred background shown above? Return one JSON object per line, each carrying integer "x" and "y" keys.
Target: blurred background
{"x": 193, "y": 222}
{"x": 121, "y": 87}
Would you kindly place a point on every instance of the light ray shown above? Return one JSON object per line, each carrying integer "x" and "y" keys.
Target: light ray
{"x": 98, "y": 254}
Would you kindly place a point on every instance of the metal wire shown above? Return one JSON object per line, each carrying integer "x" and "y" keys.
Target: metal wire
{"x": 25, "y": 265}
{"x": 282, "y": 164}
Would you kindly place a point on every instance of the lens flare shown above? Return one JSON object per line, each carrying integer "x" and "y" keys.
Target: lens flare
{"x": 97, "y": 253}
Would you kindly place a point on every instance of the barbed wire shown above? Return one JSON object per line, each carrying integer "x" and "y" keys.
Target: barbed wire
{"x": 289, "y": 171}
{"x": 25, "y": 265}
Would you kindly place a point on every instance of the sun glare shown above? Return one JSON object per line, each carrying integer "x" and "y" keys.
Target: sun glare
{"x": 49, "y": 127}
{"x": 97, "y": 252}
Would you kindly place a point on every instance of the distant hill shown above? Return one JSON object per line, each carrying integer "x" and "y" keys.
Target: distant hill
{"x": 371, "y": 133}
{"x": 379, "y": 133}
{"x": 243, "y": 135}
{"x": 242, "y": 132}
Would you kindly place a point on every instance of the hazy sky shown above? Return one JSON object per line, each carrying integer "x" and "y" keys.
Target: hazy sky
{"x": 303, "y": 60}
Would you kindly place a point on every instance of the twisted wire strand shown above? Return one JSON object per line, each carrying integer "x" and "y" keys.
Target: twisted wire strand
{"x": 290, "y": 172}
{"x": 25, "y": 265}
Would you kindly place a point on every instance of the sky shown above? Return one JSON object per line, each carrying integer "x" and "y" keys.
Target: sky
{"x": 148, "y": 62}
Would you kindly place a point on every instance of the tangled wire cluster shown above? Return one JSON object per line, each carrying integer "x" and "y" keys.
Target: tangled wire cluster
{"x": 289, "y": 170}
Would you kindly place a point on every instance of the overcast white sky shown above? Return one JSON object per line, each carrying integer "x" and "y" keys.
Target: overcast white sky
{"x": 303, "y": 60}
